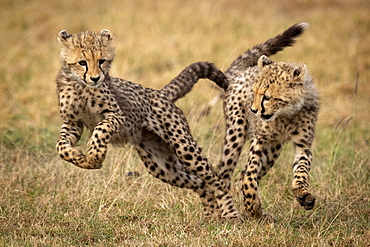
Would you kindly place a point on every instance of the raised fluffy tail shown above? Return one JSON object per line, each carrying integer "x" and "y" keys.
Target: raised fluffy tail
{"x": 268, "y": 48}
{"x": 184, "y": 82}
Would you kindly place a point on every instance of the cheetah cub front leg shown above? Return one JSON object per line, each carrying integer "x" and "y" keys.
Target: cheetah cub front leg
{"x": 262, "y": 156}
{"x": 250, "y": 180}
{"x": 301, "y": 168}
{"x": 96, "y": 146}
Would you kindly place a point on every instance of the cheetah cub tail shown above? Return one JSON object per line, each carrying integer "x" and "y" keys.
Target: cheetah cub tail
{"x": 184, "y": 82}
{"x": 268, "y": 48}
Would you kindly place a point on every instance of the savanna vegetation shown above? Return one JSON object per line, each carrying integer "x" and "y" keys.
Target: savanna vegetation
{"x": 47, "y": 202}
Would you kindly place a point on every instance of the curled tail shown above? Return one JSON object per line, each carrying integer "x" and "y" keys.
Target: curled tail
{"x": 268, "y": 48}
{"x": 184, "y": 82}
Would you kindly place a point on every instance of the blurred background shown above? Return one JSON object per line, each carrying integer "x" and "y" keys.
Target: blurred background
{"x": 45, "y": 201}
{"x": 156, "y": 39}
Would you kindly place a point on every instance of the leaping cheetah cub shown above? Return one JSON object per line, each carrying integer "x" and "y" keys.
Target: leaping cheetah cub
{"x": 118, "y": 111}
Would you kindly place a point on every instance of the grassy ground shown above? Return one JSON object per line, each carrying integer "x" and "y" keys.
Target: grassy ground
{"x": 47, "y": 202}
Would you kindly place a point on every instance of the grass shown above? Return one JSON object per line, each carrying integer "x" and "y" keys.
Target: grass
{"x": 47, "y": 202}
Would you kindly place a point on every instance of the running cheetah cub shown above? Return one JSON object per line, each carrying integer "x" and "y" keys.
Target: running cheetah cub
{"x": 270, "y": 104}
{"x": 118, "y": 111}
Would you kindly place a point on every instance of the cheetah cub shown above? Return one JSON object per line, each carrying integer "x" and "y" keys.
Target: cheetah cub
{"x": 118, "y": 111}
{"x": 270, "y": 104}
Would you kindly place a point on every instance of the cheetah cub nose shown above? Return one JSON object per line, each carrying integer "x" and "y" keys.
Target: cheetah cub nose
{"x": 254, "y": 110}
{"x": 95, "y": 79}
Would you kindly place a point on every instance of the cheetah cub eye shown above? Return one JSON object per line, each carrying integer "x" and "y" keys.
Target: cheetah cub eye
{"x": 82, "y": 63}
{"x": 266, "y": 97}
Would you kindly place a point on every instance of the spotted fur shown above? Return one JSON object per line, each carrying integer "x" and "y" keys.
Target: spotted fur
{"x": 118, "y": 111}
{"x": 270, "y": 104}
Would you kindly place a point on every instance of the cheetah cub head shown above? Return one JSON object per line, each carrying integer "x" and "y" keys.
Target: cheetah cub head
{"x": 86, "y": 56}
{"x": 279, "y": 89}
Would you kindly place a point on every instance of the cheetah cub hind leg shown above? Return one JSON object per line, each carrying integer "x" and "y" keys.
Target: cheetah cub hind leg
{"x": 163, "y": 163}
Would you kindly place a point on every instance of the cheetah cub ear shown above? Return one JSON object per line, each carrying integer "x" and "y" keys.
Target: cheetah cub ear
{"x": 263, "y": 61}
{"x": 63, "y": 36}
{"x": 106, "y": 36}
{"x": 298, "y": 73}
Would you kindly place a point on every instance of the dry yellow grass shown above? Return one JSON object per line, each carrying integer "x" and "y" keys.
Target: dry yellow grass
{"x": 46, "y": 202}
